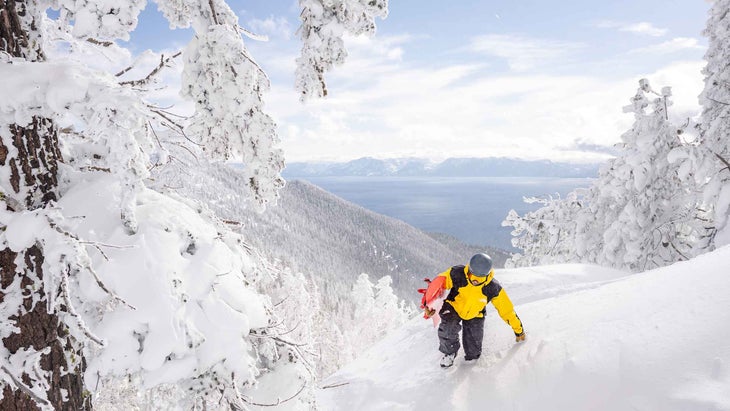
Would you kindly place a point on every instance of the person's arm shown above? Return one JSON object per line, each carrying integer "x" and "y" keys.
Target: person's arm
{"x": 448, "y": 284}
{"x": 506, "y": 310}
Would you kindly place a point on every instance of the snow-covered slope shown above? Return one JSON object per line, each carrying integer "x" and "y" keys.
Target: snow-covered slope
{"x": 597, "y": 339}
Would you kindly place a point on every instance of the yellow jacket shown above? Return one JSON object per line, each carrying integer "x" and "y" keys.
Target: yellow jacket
{"x": 470, "y": 301}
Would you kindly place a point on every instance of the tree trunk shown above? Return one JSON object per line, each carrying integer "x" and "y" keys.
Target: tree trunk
{"x": 29, "y": 157}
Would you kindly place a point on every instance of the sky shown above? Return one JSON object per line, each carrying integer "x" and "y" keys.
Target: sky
{"x": 597, "y": 339}
{"x": 525, "y": 79}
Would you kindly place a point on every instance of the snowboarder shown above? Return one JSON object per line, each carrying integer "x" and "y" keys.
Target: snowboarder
{"x": 472, "y": 287}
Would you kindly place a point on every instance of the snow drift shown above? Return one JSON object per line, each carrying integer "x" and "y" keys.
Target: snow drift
{"x": 598, "y": 339}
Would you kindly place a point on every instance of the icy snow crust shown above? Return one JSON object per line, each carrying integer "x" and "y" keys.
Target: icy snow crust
{"x": 597, "y": 339}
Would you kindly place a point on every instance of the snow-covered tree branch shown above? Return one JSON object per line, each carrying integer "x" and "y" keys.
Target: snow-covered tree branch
{"x": 108, "y": 287}
{"x": 638, "y": 215}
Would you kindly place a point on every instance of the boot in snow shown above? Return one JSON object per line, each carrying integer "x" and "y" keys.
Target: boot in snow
{"x": 447, "y": 360}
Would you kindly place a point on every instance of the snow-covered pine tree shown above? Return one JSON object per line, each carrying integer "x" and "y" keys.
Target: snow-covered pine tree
{"x": 103, "y": 280}
{"x": 363, "y": 299}
{"x": 391, "y": 312}
{"x": 323, "y": 23}
{"x": 640, "y": 205}
{"x": 546, "y": 235}
{"x": 637, "y": 215}
{"x": 705, "y": 163}
{"x": 374, "y": 310}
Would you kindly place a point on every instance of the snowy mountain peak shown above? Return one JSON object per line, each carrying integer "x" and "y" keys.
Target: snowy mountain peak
{"x": 452, "y": 167}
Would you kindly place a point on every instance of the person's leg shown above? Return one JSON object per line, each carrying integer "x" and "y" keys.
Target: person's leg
{"x": 472, "y": 336}
{"x": 448, "y": 331}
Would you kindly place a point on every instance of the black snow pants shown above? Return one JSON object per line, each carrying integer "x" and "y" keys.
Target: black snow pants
{"x": 448, "y": 332}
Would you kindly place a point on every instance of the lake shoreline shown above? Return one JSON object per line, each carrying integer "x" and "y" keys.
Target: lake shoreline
{"x": 468, "y": 208}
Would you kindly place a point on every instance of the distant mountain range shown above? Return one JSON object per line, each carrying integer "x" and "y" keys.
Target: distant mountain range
{"x": 452, "y": 167}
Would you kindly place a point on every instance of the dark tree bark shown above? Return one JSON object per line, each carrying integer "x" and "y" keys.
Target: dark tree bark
{"x": 15, "y": 39}
{"x": 32, "y": 184}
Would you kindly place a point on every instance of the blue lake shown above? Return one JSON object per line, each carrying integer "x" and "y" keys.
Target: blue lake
{"x": 469, "y": 208}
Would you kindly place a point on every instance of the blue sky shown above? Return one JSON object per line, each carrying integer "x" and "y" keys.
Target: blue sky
{"x": 520, "y": 78}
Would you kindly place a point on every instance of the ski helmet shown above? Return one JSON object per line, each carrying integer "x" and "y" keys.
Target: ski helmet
{"x": 480, "y": 265}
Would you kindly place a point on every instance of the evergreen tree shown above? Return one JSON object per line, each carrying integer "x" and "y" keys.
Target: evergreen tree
{"x": 323, "y": 22}
{"x": 705, "y": 163}
{"x": 546, "y": 235}
{"x": 390, "y": 312}
{"x": 54, "y": 300}
{"x": 640, "y": 205}
{"x": 375, "y": 311}
{"x": 363, "y": 300}
{"x": 636, "y": 216}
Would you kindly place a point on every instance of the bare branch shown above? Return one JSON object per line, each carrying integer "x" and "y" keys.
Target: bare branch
{"x": 95, "y": 168}
{"x": 60, "y": 230}
{"x": 159, "y": 144}
{"x": 282, "y": 301}
{"x": 258, "y": 67}
{"x": 103, "y": 287}
{"x": 717, "y": 101}
{"x": 324, "y": 387}
{"x": 213, "y": 12}
{"x": 276, "y": 404}
{"x": 103, "y": 254}
{"x": 121, "y": 73}
{"x": 677, "y": 250}
{"x": 71, "y": 311}
{"x": 100, "y": 43}
{"x": 251, "y": 35}
{"x": 277, "y": 339}
{"x": 142, "y": 82}
{"x": 189, "y": 151}
{"x": 724, "y": 161}
{"x": 163, "y": 115}
{"x": 231, "y": 222}
{"x": 88, "y": 268}
{"x": 165, "y": 110}
{"x": 292, "y": 330}
{"x": 96, "y": 243}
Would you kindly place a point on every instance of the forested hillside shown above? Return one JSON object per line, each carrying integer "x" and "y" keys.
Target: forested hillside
{"x": 326, "y": 244}
{"x": 326, "y": 237}
{"x": 319, "y": 233}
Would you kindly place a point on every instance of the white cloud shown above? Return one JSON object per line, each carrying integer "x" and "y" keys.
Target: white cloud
{"x": 523, "y": 53}
{"x": 638, "y": 28}
{"x": 382, "y": 106}
{"x": 272, "y": 26}
{"x": 386, "y": 46}
{"x": 464, "y": 110}
{"x": 672, "y": 46}
{"x": 644, "y": 28}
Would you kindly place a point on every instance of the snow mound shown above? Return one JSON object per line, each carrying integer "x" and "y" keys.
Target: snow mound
{"x": 597, "y": 339}
{"x": 186, "y": 286}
